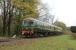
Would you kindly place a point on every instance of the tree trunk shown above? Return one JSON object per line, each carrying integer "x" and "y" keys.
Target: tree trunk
{"x": 10, "y": 8}
{"x": 4, "y": 19}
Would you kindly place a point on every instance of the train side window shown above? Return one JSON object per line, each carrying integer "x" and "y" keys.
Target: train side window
{"x": 25, "y": 23}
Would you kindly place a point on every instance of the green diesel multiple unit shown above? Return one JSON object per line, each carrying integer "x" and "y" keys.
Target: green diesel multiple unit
{"x": 33, "y": 28}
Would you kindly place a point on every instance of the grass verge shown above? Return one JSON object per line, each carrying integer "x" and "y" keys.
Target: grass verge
{"x": 63, "y": 42}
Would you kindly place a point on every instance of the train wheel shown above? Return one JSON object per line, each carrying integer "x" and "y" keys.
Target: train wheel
{"x": 45, "y": 34}
{"x": 35, "y": 35}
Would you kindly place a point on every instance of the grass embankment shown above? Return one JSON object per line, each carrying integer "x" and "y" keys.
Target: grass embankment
{"x": 63, "y": 42}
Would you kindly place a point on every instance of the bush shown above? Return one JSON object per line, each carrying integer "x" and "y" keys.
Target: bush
{"x": 74, "y": 36}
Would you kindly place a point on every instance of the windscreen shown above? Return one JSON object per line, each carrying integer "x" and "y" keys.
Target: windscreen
{"x": 27, "y": 23}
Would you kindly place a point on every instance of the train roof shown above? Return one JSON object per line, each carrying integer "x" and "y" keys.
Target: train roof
{"x": 33, "y": 19}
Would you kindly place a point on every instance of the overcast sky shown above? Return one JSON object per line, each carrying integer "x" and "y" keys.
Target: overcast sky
{"x": 64, "y": 10}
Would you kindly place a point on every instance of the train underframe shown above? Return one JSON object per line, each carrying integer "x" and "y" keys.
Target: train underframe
{"x": 39, "y": 33}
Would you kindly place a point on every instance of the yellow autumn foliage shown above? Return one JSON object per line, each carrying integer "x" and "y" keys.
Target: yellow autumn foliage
{"x": 29, "y": 6}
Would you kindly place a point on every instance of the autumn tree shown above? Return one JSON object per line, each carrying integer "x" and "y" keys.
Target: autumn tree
{"x": 7, "y": 13}
{"x": 3, "y": 3}
{"x": 16, "y": 10}
{"x": 60, "y": 24}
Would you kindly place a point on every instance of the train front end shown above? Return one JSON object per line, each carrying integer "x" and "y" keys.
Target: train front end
{"x": 27, "y": 26}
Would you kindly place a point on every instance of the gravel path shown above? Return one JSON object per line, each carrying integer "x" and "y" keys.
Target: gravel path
{"x": 10, "y": 41}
